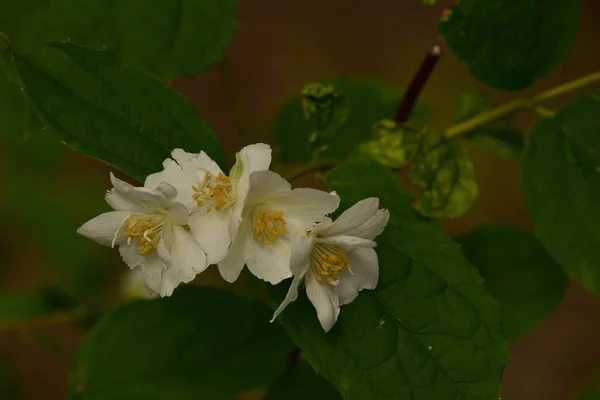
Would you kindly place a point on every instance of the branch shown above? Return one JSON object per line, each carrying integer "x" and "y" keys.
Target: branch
{"x": 511, "y": 107}
{"x": 416, "y": 85}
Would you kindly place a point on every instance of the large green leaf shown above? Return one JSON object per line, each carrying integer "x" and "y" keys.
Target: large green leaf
{"x": 392, "y": 145}
{"x": 199, "y": 343}
{"x": 301, "y": 382}
{"x": 500, "y": 136}
{"x": 518, "y": 272}
{"x": 561, "y": 185}
{"x": 369, "y": 102}
{"x": 164, "y": 37}
{"x": 508, "y": 44}
{"x": 429, "y": 331}
{"x": 108, "y": 111}
{"x": 445, "y": 173}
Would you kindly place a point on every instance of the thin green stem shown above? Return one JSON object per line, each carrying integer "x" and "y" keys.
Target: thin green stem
{"x": 518, "y": 104}
{"x": 315, "y": 166}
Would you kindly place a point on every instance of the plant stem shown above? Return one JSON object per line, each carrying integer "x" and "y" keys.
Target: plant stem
{"x": 315, "y": 166}
{"x": 518, "y": 104}
{"x": 467, "y": 126}
{"x": 416, "y": 85}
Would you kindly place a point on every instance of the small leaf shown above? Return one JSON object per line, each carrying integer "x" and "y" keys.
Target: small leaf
{"x": 429, "y": 331}
{"x": 446, "y": 174}
{"x": 369, "y": 102}
{"x": 199, "y": 343}
{"x": 117, "y": 114}
{"x": 518, "y": 272}
{"x": 17, "y": 307}
{"x": 561, "y": 186}
{"x": 500, "y": 137}
{"x": 302, "y": 383}
{"x": 326, "y": 109}
{"x": 511, "y": 43}
{"x": 393, "y": 145}
{"x": 165, "y": 37}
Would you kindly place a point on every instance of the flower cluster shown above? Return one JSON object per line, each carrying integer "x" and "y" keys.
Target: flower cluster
{"x": 192, "y": 215}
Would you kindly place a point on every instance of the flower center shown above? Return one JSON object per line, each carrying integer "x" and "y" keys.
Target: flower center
{"x": 268, "y": 224}
{"x": 327, "y": 262}
{"x": 146, "y": 230}
{"x": 218, "y": 192}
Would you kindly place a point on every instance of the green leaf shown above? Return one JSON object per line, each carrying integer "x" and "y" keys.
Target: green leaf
{"x": 429, "y": 2}
{"x": 117, "y": 114}
{"x": 8, "y": 383}
{"x": 561, "y": 185}
{"x": 301, "y": 383}
{"x": 16, "y": 307}
{"x": 446, "y": 174}
{"x": 500, "y": 136}
{"x": 511, "y": 43}
{"x": 429, "y": 331}
{"x": 199, "y": 343}
{"x": 165, "y": 37}
{"x": 518, "y": 272}
{"x": 326, "y": 109}
{"x": 393, "y": 145}
{"x": 369, "y": 102}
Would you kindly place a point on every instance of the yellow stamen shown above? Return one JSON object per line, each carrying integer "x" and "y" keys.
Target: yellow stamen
{"x": 217, "y": 193}
{"x": 268, "y": 225}
{"x": 146, "y": 230}
{"x": 327, "y": 262}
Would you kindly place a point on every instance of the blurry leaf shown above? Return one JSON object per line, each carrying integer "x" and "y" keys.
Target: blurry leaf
{"x": 116, "y": 114}
{"x": 14, "y": 111}
{"x": 511, "y": 43}
{"x": 369, "y": 102}
{"x": 199, "y": 343}
{"x": 589, "y": 392}
{"x": 326, "y": 110}
{"x": 446, "y": 174}
{"x": 302, "y": 383}
{"x": 500, "y": 136}
{"x": 561, "y": 186}
{"x": 518, "y": 272}
{"x": 429, "y": 2}
{"x": 165, "y": 37}
{"x": 8, "y": 383}
{"x": 15, "y": 307}
{"x": 393, "y": 145}
{"x": 429, "y": 331}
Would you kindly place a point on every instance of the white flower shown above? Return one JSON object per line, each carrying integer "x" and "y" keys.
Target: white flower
{"x": 337, "y": 260}
{"x": 214, "y": 200}
{"x": 274, "y": 219}
{"x": 150, "y": 228}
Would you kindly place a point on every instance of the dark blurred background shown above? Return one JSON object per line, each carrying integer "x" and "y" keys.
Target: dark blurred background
{"x": 47, "y": 190}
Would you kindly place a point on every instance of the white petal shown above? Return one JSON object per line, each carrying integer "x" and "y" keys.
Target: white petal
{"x": 211, "y": 231}
{"x": 182, "y": 156}
{"x": 152, "y": 270}
{"x": 364, "y": 275}
{"x": 203, "y": 161}
{"x": 131, "y": 255}
{"x": 233, "y": 263}
{"x": 308, "y": 206}
{"x": 347, "y": 243}
{"x": 364, "y": 220}
{"x": 170, "y": 173}
{"x": 270, "y": 263}
{"x": 255, "y": 157}
{"x": 265, "y": 184}
{"x": 187, "y": 260}
{"x": 301, "y": 247}
{"x": 147, "y": 201}
{"x": 291, "y": 296}
{"x": 105, "y": 227}
{"x": 324, "y": 300}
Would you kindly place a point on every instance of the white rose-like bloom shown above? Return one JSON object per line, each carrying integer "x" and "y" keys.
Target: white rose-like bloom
{"x": 149, "y": 227}
{"x": 214, "y": 200}
{"x": 338, "y": 260}
{"x": 274, "y": 219}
